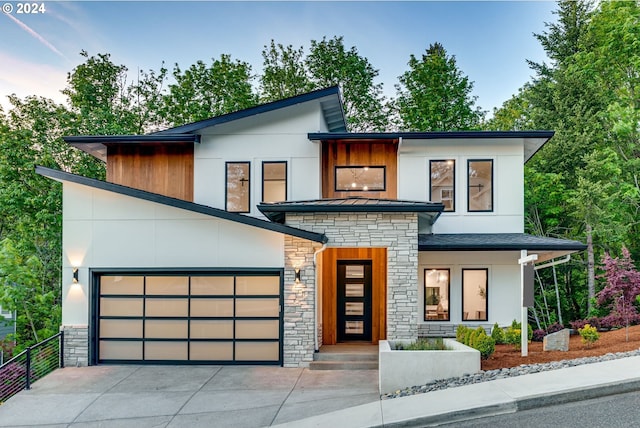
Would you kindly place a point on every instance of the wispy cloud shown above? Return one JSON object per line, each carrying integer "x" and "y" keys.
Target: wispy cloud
{"x": 35, "y": 34}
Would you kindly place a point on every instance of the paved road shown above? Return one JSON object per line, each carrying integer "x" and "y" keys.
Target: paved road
{"x": 616, "y": 411}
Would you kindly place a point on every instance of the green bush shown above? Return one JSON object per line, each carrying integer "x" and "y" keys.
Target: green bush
{"x": 497, "y": 333}
{"x": 512, "y": 337}
{"x": 486, "y": 345}
{"x": 476, "y": 339}
{"x": 515, "y": 324}
{"x": 589, "y": 334}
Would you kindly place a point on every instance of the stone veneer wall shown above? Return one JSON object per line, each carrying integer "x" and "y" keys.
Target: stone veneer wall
{"x": 76, "y": 345}
{"x": 398, "y": 232}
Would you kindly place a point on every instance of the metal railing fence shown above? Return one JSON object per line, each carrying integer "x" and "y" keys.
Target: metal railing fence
{"x": 32, "y": 364}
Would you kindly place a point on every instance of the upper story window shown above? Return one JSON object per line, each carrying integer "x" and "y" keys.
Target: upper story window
{"x": 274, "y": 181}
{"x": 6, "y": 314}
{"x": 443, "y": 188}
{"x": 360, "y": 178}
{"x": 480, "y": 185}
{"x": 238, "y": 187}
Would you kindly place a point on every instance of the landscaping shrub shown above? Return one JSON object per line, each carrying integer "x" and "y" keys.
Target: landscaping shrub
{"x": 486, "y": 345}
{"x": 512, "y": 337}
{"x": 538, "y": 335}
{"x": 421, "y": 344}
{"x": 589, "y": 335}
{"x": 497, "y": 333}
{"x": 476, "y": 339}
{"x": 554, "y": 328}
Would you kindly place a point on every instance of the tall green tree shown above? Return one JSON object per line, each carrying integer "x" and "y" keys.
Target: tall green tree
{"x": 330, "y": 63}
{"x": 284, "y": 73}
{"x": 202, "y": 91}
{"x": 434, "y": 94}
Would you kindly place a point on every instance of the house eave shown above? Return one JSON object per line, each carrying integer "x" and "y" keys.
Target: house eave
{"x": 179, "y": 203}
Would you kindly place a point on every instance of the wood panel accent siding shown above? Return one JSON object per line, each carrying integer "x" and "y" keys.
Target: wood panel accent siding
{"x": 360, "y": 153}
{"x": 329, "y": 275}
{"x": 166, "y": 169}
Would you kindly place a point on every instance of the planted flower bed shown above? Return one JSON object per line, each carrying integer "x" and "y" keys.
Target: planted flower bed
{"x": 400, "y": 369}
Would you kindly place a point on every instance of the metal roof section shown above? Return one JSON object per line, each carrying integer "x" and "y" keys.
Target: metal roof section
{"x": 179, "y": 203}
{"x": 331, "y": 104}
{"x": 533, "y": 140}
{"x": 495, "y": 242}
{"x": 95, "y": 145}
{"x": 276, "y": 211}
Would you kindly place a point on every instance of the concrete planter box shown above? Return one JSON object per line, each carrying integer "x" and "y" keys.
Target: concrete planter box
{"x": 403, "y": 369}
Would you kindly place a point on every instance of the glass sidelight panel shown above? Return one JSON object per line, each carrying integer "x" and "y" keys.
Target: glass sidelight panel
{"x": 207, "y": 351}
{"x": 211, "y": 329}
{"x": 354, "y": 290}
{"x": 115, "y": 350}
{"x": 257, "y": 307}
{"x": 176, "y": 351}
{"x": 211, "y": 285}
{"x": 121, "y": 328}
{"x": 121, "y": 285}
{"x": 166, "y": 307}
{"x": 163, "y": 285}
{"x": 212, "y": 307}
{"x": 252, "y": 285}
{"x": 257, "y": 329}
{"x": 258, "y": 351}
{"x": 354, "y": 308}
{"x": 354, "y": 327}
{"x": 119, "y": 307}
{"x": 166, "y": 329}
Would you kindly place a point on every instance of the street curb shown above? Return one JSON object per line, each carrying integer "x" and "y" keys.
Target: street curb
{"x": 456, "y": 416}
{"x": 578, "y": 395}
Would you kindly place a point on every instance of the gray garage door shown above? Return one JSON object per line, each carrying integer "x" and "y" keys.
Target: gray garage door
{"x": 189, "y": 318}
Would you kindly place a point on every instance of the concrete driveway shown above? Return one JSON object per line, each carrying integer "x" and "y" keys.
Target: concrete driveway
{"x": 186, "y": 396}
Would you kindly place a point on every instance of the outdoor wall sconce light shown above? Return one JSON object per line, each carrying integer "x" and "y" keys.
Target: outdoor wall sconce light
{"x": 75, "y": 275}
{"x": 297, "y": 271}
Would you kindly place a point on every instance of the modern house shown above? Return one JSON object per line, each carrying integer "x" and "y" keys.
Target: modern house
{"x": 261, "y": 235}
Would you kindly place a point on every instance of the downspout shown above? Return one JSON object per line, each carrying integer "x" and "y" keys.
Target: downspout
{"x": 315, "y": 306}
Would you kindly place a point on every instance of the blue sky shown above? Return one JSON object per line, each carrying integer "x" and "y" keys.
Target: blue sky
{"x": 490, "y": 40}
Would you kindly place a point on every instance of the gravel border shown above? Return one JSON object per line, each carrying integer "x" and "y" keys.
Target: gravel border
{"x": 524, "y": 369}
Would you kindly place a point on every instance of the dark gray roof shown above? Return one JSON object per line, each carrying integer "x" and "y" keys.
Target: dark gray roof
{"x": 331, "y": 108}
{"x": 179, "y": 203}
{"x": 533, "y": 140}
{"x": 276, "y": 211}
{"x": 495, "y": 242}
{"x": 95, "y": 144}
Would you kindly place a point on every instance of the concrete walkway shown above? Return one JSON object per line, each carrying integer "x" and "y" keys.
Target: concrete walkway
{"x": 208, "y": 396}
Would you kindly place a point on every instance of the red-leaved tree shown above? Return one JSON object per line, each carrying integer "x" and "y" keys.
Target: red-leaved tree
{"x": 619, "y": 294}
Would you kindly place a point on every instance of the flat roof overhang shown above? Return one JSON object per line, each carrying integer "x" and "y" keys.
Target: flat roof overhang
{"x": 96, "y": 145}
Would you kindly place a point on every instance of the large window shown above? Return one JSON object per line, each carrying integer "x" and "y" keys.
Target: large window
{"x": 436, "y": 294}
{"x": 360, "y": 178}
{"x": 238, "y": 189}
{"x": 480, "y": 185}
{"x": 474, "y": 294}
{"x": 443, "y": 189}
{"x": 274, "y": 181}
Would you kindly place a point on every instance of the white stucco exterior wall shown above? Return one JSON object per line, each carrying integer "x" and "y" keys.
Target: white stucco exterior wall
{"x": 504, "y": 299}
{"x": 508, "y": 182}
{"x": 102, "y": 229}
{"x": 279, "y": 135}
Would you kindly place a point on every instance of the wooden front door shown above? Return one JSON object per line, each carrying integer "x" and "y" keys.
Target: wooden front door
{"x": 354, "y": 300}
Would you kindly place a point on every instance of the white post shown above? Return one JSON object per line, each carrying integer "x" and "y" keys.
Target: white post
{"x": 524, "y": 329}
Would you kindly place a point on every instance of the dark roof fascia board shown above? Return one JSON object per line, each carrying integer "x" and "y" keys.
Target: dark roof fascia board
{"x": 179, "y": 203}
{"x": 106, "y": 139}
{"x": 277, "y": 212}
{"x": 252, "y": 111}
{"x": 551, "y": 244}
{"x": 428, "y": 135}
